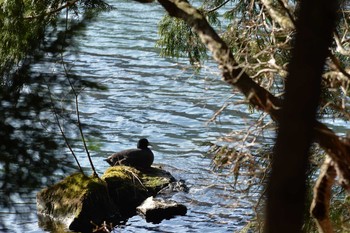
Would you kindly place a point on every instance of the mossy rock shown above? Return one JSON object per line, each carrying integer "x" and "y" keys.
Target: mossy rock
{"x": 129, "y": 187}
{"x": 75, "y": 202}
{"x": 78, "y": 200}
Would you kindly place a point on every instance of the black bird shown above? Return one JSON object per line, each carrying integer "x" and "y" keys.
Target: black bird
{"x": 141, "y": 157}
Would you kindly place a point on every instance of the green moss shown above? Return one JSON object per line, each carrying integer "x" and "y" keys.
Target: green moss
{"x": 156, "y": 179}
{"x": 65, "y": 196}
{"x": 123, "y": 173}
{"x": 122, "y": 179}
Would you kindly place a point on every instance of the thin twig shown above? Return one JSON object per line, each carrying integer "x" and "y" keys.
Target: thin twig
{"x": 62, "y": 132}
{"x": 218, "y": 7}
{"x": 136, "y": 177}
{"x": 79, "y": 122}
{"x": 77, "y": 111}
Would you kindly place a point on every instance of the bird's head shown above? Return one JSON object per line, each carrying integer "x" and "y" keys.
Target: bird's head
{"x": 143, "y": 143}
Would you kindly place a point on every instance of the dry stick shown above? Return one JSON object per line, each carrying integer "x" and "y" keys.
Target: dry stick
{"x": 63, "y": 134}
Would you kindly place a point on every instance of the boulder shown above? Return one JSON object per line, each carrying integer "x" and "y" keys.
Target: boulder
{"x": 74, "y": 203}
{"x": 128, "y": 187}
{"x": 157, "y": 209}
{"x": 80, "y": 202}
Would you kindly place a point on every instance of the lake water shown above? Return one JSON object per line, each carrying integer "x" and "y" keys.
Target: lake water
{"x": 165, "y": 101}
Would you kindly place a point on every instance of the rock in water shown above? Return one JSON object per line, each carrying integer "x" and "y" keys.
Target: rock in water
{"x": 74, "y": 203}
{"x": 156, "y": 209}
{"x": 78, "y": 200}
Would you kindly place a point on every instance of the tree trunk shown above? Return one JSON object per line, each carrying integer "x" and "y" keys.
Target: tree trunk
{"x": 286, "y": 188}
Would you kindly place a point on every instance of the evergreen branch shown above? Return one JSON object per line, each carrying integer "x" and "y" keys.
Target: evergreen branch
{"x": 54, "y": 11}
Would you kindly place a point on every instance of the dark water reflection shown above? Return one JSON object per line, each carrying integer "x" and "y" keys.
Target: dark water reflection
{"x": 165, "y": 101}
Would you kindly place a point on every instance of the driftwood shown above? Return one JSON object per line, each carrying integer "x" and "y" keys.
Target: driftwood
{"x": 337, "y": 149}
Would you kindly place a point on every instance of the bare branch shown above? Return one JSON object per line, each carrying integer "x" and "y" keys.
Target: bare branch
{"x": 63, "y": 134}
{"x": 232, "y": 73}
{"x": 76, "y": 95}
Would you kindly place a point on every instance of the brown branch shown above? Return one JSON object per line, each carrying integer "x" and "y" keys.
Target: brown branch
{"x": 257, "y": 96}
{"x": 283, "y": 18}
{"x": 232, "y": 73}
{"x": 322, "y": 195}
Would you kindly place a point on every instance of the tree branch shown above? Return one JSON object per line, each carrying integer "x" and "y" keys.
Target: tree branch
{"x": 232, "y": 73}
{"x": 54, "y": 11}
{"x": 338, "y": 162}
{"x": 322, "y": 195}
{"x": 218, "y": 7}
{"x": 282, "y": 17}
{"x": 257, "y": 96}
